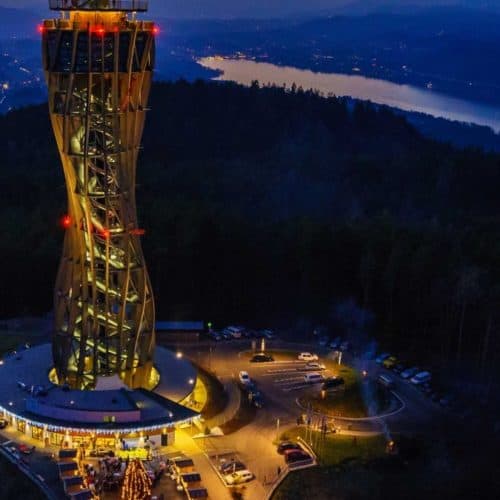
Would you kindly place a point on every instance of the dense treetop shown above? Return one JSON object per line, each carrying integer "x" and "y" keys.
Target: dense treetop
{"x": 273, "y": 207}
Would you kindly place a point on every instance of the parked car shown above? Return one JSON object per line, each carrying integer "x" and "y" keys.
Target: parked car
{"x": 236, "y": 332}
{"x": 292, "y": 456}
{"x": 389, "y": 362}
{"x": 307, "y": 356}
{"x": 345, "y": 346}
{"x": 335, "y": 343}
{"x": 288, "y": 445}
{"x": 385, "y": 380}
{"x": 257, "y": 400}
{"x": 398, "y": 368}
{"x": 332, "y": 384}
{"x": 313, "y": 378}
{"x": 215, "y": 336}
{"x": 380, "y": 358}
{"x": 232, "y": 466}
{"x": 26, "y": 450}
{"x": 268, "y": 334}
{"x": 426, "y": 388}
{"x": 244, "y": 378}
{"x": 314, "y": 365}
{"x": 421, "y": 378}
{"x": 410, "y": 372}
{"x": 238, "y": 477}
{"x": 261, "y": 358}
{"x": 3, "y": 423}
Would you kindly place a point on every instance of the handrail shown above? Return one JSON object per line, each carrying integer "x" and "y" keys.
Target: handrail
{"x": 100, "y": 5}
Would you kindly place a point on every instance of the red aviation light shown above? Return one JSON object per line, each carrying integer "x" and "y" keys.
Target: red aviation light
{"x": 66, "y": 221}
{"x": 156, "y": 31}
{"x": 98, "y": 30}
{"x": 41, "y": 29}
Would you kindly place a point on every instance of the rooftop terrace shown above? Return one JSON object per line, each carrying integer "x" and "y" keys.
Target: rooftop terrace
{"x": 100, "y": 5}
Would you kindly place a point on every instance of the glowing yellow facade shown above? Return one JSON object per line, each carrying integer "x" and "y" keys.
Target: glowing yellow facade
{"x": 98, "y": 60}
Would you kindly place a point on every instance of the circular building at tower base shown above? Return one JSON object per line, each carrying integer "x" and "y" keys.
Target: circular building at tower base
{"x": 109, "y": 417}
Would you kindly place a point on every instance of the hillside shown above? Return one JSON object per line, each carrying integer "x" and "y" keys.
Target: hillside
{"x": 283, "y": 208}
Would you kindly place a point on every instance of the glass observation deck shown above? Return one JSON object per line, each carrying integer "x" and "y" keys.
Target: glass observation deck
{"x": 100, "y": 5}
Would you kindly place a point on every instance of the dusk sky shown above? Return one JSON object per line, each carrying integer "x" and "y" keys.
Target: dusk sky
{"x": 250, "y": 8}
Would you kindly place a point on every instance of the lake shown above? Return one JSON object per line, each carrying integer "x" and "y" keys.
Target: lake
{"x": 405, "y": 97}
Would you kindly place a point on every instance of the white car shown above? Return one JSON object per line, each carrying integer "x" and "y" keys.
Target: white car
{"x": 236, "y": 332}
{"x": 409, "y": 372}
{"x": 244, "y": 378}
{"x": 240, "y": 476}
{"x": 421, "y": 378}
{"x": 314, "y": 365}
{"x": 307, "y": 356}
{"x": 313, "y": 378}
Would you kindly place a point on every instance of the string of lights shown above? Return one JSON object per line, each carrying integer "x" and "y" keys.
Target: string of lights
{"x": 136, "y": 484}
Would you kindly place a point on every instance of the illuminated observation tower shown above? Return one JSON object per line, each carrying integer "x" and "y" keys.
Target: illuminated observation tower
{"x": 98, "y": 60}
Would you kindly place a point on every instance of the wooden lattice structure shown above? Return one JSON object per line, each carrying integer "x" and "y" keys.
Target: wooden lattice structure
{"x": 98, "y": 60}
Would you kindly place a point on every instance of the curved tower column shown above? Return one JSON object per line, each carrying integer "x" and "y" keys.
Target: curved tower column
{"x": 98, "y": 61}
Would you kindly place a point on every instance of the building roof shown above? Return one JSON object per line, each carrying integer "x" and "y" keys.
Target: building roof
{"x": 184, "y": 462}
{"x": 67, "y": 466}
{"x": 197, "y": 493}
{"x": 187, "y": 326}
{"x": 100, "y": 410}
{"x": 191, "y": 477}
{"x": 113, "y": 6}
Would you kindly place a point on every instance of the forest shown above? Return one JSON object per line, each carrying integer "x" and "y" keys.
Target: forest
{"x": 282, "y": 208}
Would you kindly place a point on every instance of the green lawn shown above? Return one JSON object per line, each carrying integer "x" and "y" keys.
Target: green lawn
{"x": 442, "y": 467}
{"x": 359, "y": 398}
{"x": 245, "y": 414}
{"x": 216, "y": 396}
{"x": 333, "y": 449}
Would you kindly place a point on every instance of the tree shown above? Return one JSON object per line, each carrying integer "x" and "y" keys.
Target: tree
{"x": 468, "y": 290}
{"x": 136, "y": 484}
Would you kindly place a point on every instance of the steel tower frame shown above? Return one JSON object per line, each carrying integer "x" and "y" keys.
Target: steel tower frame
{"x": 98, "y": 60}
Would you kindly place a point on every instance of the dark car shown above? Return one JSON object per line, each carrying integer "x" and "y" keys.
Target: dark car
{"x": 398, "y": 368}
{"x": 26, "y": 450}
{"x": 426, "y": 388}
{"x": 257, "y": 400}
{"x": 232, "y": 466}
{"x": 286, "y": 446}
{"x": 261, "y": 358}
{"x": 332, "y": 383}
{"x": 3, "y": 423}
{"x": 296, "y": 456}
